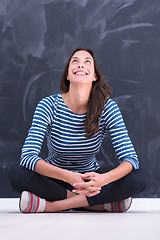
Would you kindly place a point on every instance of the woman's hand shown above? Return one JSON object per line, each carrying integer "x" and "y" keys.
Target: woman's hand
{"x": 92, "y": 183}
{"x": 75, "y": 179}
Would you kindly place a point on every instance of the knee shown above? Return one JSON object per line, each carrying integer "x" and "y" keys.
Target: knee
{"x": 142, "y": 179}
{"x": 145, "y": 177}
{"x": 17, "y": 176}
{"x": 13, "y": 176}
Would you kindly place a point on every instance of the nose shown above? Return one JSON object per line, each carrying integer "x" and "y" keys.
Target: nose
{"x": 80, "y": 66}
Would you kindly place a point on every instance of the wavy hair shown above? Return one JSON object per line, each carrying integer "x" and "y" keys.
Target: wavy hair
{"x": 98, "y": 96}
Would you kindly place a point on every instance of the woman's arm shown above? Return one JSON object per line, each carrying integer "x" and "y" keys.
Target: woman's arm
{"x": 48, "y": 170}
{"x": 72, "y": 178}
{"x": 42, "y": 119}
{"x": 52, "y": 171}
{"x": 103, "y": 179}
{"x": 119, "y": 135}
{"x": 122, "y": 170}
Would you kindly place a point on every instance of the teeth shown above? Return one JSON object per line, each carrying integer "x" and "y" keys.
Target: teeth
{"x": 81, "y": 73}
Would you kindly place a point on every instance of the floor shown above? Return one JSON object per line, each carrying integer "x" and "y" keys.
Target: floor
{"x": 140, "y": 222}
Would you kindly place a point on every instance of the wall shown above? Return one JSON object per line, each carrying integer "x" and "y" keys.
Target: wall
{"x": 37, "y": 38}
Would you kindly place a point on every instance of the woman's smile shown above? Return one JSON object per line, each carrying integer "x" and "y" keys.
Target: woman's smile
{"x": 80, "y": 73}
{"x": 81, "y": 66}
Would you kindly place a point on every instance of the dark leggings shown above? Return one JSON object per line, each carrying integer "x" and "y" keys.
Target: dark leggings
{"x": 51, "y": 189}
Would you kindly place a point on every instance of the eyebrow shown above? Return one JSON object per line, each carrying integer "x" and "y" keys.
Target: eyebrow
{"x": 85, "y": 58}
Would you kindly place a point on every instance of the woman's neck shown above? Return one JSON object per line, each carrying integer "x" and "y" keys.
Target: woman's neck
{"x": 77, "y": 99}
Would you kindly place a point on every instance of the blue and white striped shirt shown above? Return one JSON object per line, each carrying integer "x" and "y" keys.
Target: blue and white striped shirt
{"x": 68, "y": 148}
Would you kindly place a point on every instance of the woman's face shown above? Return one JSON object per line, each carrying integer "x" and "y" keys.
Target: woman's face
{"x": 81, "y": 68}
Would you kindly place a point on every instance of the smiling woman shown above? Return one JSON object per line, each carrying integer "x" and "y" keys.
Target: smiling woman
{"x": 88, "y": 91}
{"x": 81, "y": 75}
{"x": 82, "y": 66}
{"x": 75, "y": 123}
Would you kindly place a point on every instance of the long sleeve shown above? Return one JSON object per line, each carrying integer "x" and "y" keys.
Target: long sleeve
{"x": 119, "y": 134}
{"x": 41, "y": 121}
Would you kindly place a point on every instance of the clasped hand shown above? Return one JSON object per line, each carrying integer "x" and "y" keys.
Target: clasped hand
{"x": 90, "y": 184}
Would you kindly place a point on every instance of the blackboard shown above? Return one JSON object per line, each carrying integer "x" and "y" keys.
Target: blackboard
{"x": 36, "y": 39}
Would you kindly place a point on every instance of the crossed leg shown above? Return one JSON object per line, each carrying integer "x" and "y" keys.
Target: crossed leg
{"x": 72, "y": 201}
{"x": 59, "y": 196}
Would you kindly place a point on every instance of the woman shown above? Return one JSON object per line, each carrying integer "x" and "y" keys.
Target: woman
{"x": 75, "y": 123}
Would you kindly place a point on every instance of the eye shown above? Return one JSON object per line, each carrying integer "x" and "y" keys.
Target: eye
{"x": 87, "y": 61}
{"x": 74, "y": 61}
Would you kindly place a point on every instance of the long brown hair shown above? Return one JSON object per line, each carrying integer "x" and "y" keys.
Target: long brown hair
{"x": 98, "y": 96}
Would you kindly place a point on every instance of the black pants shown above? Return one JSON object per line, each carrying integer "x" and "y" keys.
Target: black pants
{"x": 51, "y": 189}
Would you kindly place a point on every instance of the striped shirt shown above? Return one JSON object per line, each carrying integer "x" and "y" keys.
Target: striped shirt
{"x": 68, "y": 148}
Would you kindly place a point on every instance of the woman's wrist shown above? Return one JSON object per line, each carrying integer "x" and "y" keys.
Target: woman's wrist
{"x": 66, "y": 175}
{"x": 120, "y": 171}
{"x": 107, "y": 178}
{"x": 52, "y": 171}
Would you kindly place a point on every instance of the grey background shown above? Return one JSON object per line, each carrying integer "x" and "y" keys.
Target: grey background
{"x": 36, "y": 39}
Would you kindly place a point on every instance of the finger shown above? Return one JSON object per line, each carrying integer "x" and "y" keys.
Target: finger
{"x": 93, "y": 189}
{"x": 93, "y": 194}
{"x": 84, "y": 185}
{"x": 89, "y": 189}
{"x": 85, "y": 192}
{"x": 89, "y": 178}
{"x": 88, "y": 174}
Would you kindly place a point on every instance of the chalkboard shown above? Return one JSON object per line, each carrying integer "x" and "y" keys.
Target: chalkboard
{"x": 37, "y": 38}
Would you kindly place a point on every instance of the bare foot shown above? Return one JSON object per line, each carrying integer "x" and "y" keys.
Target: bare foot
{"x": 51, "y": 207}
